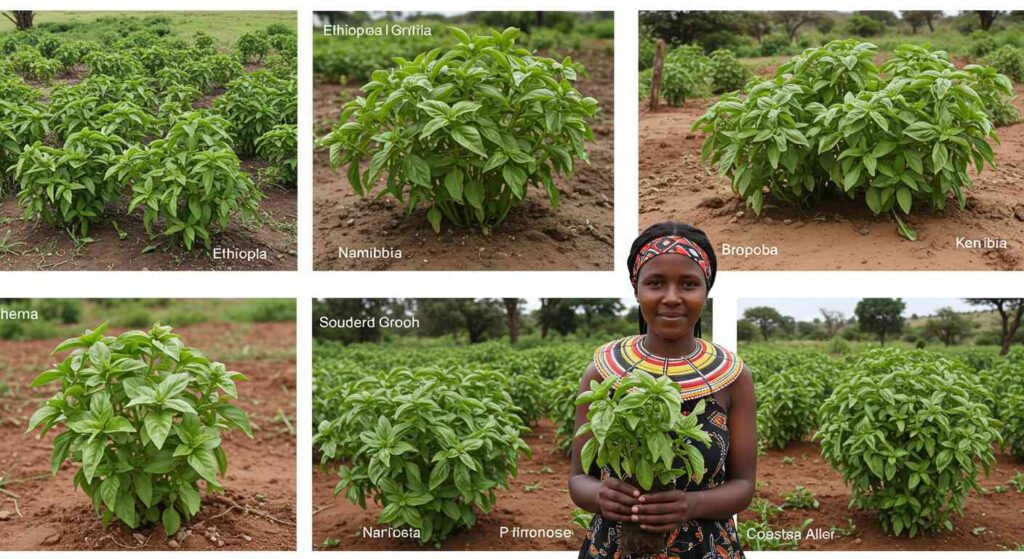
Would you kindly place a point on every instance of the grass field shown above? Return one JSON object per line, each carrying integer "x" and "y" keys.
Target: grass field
{"x": 224, "y": 27}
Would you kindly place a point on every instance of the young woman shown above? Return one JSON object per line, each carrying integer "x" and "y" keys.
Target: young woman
{"x": 672, "y": 267}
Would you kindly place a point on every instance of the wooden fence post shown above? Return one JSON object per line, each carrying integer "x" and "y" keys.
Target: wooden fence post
{"x": 659, "y": 56}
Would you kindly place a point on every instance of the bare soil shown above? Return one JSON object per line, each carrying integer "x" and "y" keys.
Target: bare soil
{"x": 577, "y": 235}
{"x": 837, "y": 235}
{"x": 256, "y": 512}
{"x": 35, "y": 245}
{"x": 537, "y": 499}
{"x": 990, "y": 522}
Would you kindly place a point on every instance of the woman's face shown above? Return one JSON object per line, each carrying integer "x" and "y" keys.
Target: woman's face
{"x": 671, "y": 291}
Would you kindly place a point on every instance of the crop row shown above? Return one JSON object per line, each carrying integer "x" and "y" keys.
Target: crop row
{"x": 138, "y": 124}
{"x": 431, "y": 433}
{"x": 910, "y": 431}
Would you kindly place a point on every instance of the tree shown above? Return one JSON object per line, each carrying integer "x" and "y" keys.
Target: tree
{"x": 916, "y": 18}
{"x": 833, "y": 320}
{"x": 557, "y": 315}
{"x": 512, "y": 319}
{"x": 593, "y": 309}
{"x": 880, "y": 317}
{"x": 791, "y": 21}
{"x": 949, "y": 326}
{"x": 22, "y": 20}
{"x": 765, "y": 318}
{"x": 479, "y": 319}
{"x": 683, "y": 28}
{"x": 883, "y": 17}
{"x": 986, "y": 17}
{"x": 746, "y": 330}
{"x": 1010, "y": 313}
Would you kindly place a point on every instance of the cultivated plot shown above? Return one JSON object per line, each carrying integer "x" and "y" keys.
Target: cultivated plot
{"x": 147, "y": 424}
{"x": 473, "y": 141}
{"x": 148, "y": 141}
{"x": 837, "y": 141}
{"x": 886, "y": 424}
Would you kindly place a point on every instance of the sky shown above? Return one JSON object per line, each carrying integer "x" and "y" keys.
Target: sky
{"x": 807, "y": 309}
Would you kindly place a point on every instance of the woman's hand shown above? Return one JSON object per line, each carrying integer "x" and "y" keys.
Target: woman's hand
{"x": 616, "y": 498}
{"x": 662, "y": 511}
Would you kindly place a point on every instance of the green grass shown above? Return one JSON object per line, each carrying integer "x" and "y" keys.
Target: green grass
{"x": 224, "y": 27}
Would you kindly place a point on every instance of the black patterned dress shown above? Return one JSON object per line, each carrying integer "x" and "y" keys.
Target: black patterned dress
{"x": 696, "y": 539}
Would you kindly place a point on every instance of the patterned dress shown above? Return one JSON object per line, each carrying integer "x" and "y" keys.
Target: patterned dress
{"x": 697, "y": 539}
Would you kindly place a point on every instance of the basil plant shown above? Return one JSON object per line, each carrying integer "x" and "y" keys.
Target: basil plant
{"x": 640, "y": 431}
{"x": 142, "y": 417}
{"x": 465, "y": 130}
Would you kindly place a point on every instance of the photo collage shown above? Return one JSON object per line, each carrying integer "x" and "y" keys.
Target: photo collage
{"x": 295, "y": 279}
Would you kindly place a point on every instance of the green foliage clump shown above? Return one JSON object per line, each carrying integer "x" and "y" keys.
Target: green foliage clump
{"x": 69, "y": 186}
{"x": 279, "y": 146}
{"x": 910, "y": 434}
{"x": 254, "y": 104}
{"x": 143, "y": 417}
{"x": 190, "y": 179}
{"x": 790, "y": 387}
{"x": 833, "y": 123}
{"x": 1008, "y": 60}
{"x": 727, "y": 73}
{"x": 527, "y": 390}
{"x": 253, "y": 47}
{"x": 465, "y": 129}
{"x": 639, "y": 432}
{"x": 431, "y": 445}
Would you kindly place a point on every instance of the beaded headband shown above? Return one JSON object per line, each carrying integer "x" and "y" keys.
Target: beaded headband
{"x": 671, "y": 245}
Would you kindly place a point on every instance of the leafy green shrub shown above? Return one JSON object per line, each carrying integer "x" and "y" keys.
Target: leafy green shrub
{"x": 144, "y": 416}
{"x": 204, "y": 43}
{"x": 677, "y": 83}
{"x": 981, "y": 44}
{"x": 190, "y": 179}
{"x": 775, "y": 44}
{"x": 863, "y": 26}
{"x": 639, "y": 432}
{"x": 253, "y": 47}
{"x": 996, "y": 93}
{"x": 727, "y": 73}
{"x": 909, "y": 434}
{"x": 832, "y": 123}
{"x": 1008, "y": 60}
{"x": 431, "y": 445}
{"x": 113, "y": 64}
{"x": 280, "y": 147}
{"x": 64, "y": 311}
{"x": 132, "y": 316}
{"x": 254, "y": 104}
{"x": 31, "y": 65}
{"x": 70, "y": 54}
{"x": 465, "y": 129}
{"x": 69, "y": 187}
{"x": 527, "y": 390}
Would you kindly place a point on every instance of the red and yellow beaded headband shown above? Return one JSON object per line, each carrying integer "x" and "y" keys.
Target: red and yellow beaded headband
{"x": 671, "y": 245}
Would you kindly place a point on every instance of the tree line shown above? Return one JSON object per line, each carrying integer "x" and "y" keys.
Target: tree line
{"x": 883, "y": 319}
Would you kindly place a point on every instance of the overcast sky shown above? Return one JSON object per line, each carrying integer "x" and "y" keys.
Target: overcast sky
{"x": 807, "y": 309}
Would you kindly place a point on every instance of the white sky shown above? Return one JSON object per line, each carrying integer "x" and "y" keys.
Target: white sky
{"x": 807, "y": 309}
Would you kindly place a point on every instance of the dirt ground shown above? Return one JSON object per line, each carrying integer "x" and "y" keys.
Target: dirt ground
{"x": 35, "y": 245}
{"x": 578, "y": 235}
{"x": 537, "y": 499}
{"x": 256, "y": 512}
{"x": 990, "y": 522}
{"x": 838, "y": 235}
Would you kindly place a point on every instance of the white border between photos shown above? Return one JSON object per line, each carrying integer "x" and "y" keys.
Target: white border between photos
{"x": 304, "y": 285}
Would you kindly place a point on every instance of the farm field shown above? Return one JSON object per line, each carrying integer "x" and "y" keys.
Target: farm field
{"x": 497, "y": 416}
{"x": 93, "y": 103}
{"x": 256, "y": 508}
{"x": 536, "y": 496}
{"x": 531, "y": 233}
{"x": 809, "y": 399}
{"x": 825, "y": 230}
